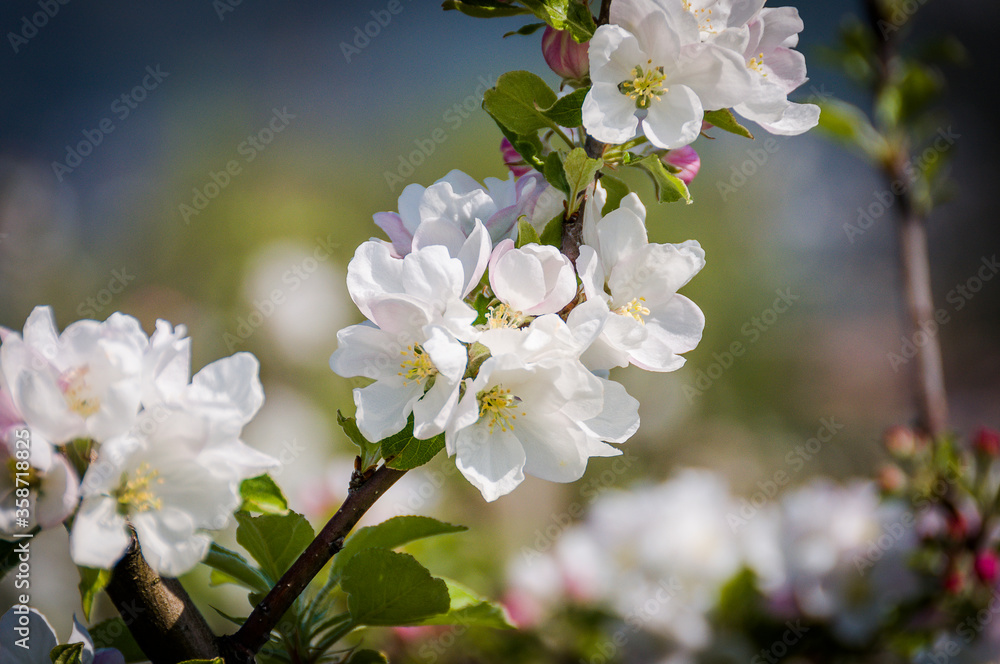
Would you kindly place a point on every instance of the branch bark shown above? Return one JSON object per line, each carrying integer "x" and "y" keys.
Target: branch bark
{"x": 161, "y": 616}
{"x": 240, "y": 648}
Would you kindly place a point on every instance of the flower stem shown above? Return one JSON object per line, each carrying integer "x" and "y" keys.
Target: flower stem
{"x": 253, "y": 634}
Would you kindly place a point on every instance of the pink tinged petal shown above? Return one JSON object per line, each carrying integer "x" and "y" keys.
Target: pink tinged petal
{"x": 717, "y": 75}
{"x": 742, "y": 12}
{"x": 796, "y": 119}
{"x": 43, "y": 404}
{"x": 100, "y": 536}
{"x": 108, "y": 656}
{"x": 400, "y": 316}
{"x": 512, "y": 159}
{"x": 9, "y": 415}
{"x": 43, "y": 638}
{"x": 373, "y": 272}
{"x": 169, "y": 540}
{"x": 564, "y": 55}
{"x": 492, "y": 462}
{"x": 399, "y": 235}
{"x": 687, "y": 160}
{"x": 232, "y": 382}
{"x": 81, "y": 635}
{"x": 781, "y": 28}
{"x": 439, "y": 232}
{"x": 786, "y": 68}
{"x": 384, "y": 406}
{"x": 59, "y": 496}
{"x": 552, "y": 448}
{"x": 433, "y": 275}
{"x": 675, "y": 120}
{"x": 619, "y": 417}
{"x": 733, "y": 39}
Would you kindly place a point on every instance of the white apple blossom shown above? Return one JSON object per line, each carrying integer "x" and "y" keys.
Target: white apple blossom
{"x": 650, "y": 65}
{"x": 647, "y": 323}
{"x": 535, "y": 279}
{"x": 465, "y": 217}
{"x": 83, "y": 383}
{"x": 48, "y": 479}
{"x": 42, "y": 639}
{"x": 413, "y": 352}
{"x": 175, "y": 475}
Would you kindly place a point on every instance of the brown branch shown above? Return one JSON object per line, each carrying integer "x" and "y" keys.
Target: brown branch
{"x": 240, "y": 648}
{"x": 929, "y": 387}
{"x": 159, "y": 613}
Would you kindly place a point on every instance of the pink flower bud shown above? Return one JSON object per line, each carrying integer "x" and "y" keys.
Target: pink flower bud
{"x": 565, "y": 55}
{"x": 954, "y": 582}
{"x": 513, "y": 160}
{"x": 891, "y": 478}
{"x": 687, "y": 160}
{"x": 987, "y": 567}
{"x": 902, "y": 442}
{"x": 987, "y": 441}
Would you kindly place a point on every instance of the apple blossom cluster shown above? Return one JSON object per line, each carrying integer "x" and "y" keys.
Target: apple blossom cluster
{"x": 659, "y": 65}
{"x": 159, "y": 452}
{"x": 502, "y": 345}
{"x": 660, "y": 556}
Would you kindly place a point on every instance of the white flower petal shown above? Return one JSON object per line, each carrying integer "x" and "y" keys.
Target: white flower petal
{"x": 100, "y": 536}
{"x": 492, "y": 462}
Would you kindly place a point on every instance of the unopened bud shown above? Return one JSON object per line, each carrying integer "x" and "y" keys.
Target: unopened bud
{"x": 954, "y": 582}
{"x": 564, "y": 55}
{"x": 513, "y": 159}
{"x": 891, "y": 478}
{"x": 987, "y": 566}
{"x": 686, "y": 160}
{"x": 987, "y": 441}
{"x": 900, "y": 441}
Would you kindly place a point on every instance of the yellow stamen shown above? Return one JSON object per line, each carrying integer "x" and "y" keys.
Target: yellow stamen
{"x": 498, "y": 404}
{"x": 417, "y": 365}
{"x": 78, "y": 394}
{"x": 757, "y": 64}
{"x": 635, "y": 309}
{"x": 135, "y": 494}
{"x": 646, "y": 86}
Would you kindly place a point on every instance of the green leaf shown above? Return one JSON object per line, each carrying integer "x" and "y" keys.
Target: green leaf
{"x": 113, "y": 633}
{"x": 261, "y": 494}
{"x": 616, "y": 190}
{"x": 92, "y": 581}
{"x": 484, "y": 9}
{"x": 570, "y": 15}
{"x": 367, "y": 657}
{"x": 67, "y": 654}
{"x": 403, "y": 451}
{"x": 529, "y": 29}
{"x": 529, "y": 147}
{"x": 273, "y": 540}
{"x": 526, "y": 234}
{"x": 580, "y": 171}
{"x": 567, "y": 111}
{"x": 370, "y": 452}
{"x": 388, "y": 588}
{"x": 468, "y": 608}
{"x": 669, "y": 187}
{"x": 554, "y": 173}
{"x": 552, "y": 233}
{"x": 517, "y": 100}
{"x": 230, "y": 567}
{"x": 725, "y": 120}
{"x": 848, "y": 124}
{"x": 390, "y": 534}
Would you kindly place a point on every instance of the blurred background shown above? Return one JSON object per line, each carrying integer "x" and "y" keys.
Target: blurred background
{"x": 216, "y": 163}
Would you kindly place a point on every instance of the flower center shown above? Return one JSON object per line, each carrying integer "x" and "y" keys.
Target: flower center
{"x": 646, "y": 85}
{"x": 503, "y": 316}
{"x": 757, "y": 64}
{"x": 417, "y": 366}
{"x": 135, "y": 494}
{"x": 499, "y": 405}
{"x": 78, "y": 394}
{"x": 636, "y": 309}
